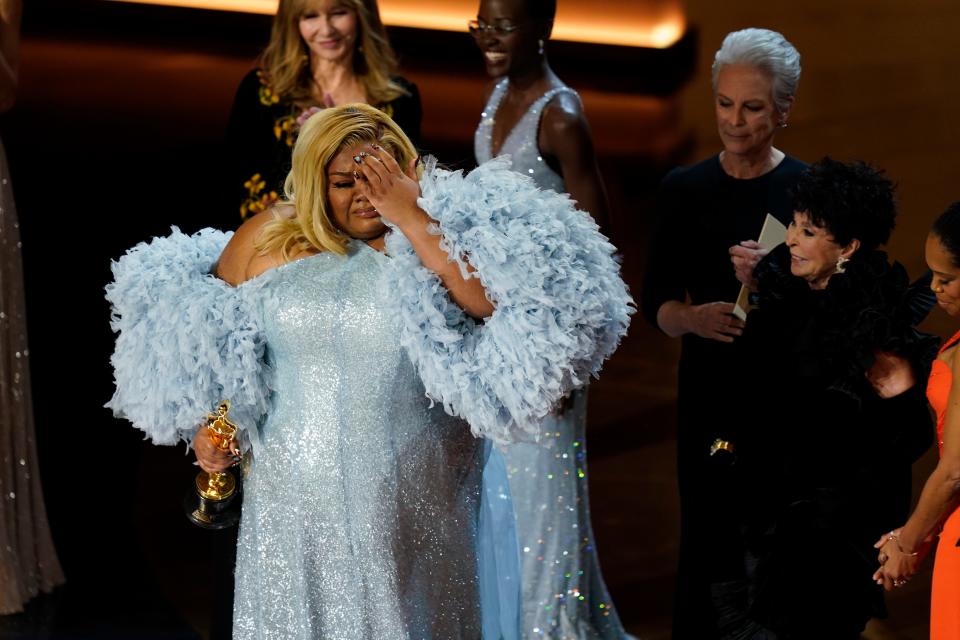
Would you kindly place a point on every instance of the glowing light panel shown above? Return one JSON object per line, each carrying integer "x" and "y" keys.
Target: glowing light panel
{"x": 656, "y": 24}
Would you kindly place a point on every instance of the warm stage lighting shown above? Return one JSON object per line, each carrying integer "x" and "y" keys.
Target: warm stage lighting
{"x": 656, "y": 24}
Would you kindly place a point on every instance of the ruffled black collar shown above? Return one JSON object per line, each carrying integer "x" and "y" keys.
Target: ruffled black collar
{"x": 837, "y": 331}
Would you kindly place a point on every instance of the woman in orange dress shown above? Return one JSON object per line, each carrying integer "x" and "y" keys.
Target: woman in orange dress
{"x": 902, "y": 550}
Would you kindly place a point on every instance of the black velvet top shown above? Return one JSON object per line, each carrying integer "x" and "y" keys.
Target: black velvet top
{"x": 260, "y": 137}
{"x": 702, "y": 212}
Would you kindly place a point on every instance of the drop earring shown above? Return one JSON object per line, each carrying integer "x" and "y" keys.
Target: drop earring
{"x": 842, "y": 264}
{"x": 540, "y": 50}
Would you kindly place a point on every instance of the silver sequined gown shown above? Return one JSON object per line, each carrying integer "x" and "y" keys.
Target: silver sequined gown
{"x": 564, "y": 595}
{"x": 28, "y": 561}
{"x": 361, "y": 504}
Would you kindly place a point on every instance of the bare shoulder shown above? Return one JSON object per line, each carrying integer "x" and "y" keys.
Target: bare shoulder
{"x": 563, "y": 127}
{"x": 564, "y": 110}
{"x": 240, "y": 254}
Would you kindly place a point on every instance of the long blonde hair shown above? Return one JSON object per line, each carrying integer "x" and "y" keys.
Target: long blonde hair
{"x": 322, "y": 137}
{"x": 286, "y": 59}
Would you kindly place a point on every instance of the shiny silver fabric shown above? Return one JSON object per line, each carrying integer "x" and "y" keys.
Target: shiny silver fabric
{"x": 564, "y": 596}
{"x": 360, "y": 507}
{"x": 521, "y": 143}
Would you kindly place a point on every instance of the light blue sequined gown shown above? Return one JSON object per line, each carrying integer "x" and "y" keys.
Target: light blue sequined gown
{"x": 361, "y": 505}
{"x": 564, "y": 595}
{"x": 364, "y": 512}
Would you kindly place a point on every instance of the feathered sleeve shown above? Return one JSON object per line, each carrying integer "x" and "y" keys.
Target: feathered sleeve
{"x": 185, "y": 340}
{"x": 561, "y": 306}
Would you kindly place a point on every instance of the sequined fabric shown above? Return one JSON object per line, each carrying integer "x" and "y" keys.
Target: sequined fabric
{"x": 521, "y": 143}
{"x": 564, "y": 596}
{"x": 360, "y": 507}
{"x": 28, "y": 561}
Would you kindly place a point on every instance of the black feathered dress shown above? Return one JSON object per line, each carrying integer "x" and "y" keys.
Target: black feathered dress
{"x": 823, "y": 462}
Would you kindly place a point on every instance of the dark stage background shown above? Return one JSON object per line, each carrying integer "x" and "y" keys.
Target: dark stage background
{"x": 116, "y": 136}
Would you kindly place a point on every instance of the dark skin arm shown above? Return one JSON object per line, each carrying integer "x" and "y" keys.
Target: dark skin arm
{"x": 940, "y": 496}
{"x": 567, "y": 144}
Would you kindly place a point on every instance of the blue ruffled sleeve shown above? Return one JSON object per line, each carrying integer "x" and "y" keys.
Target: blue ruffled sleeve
{"x": 561, "y": 306}
{"x": 185, "y": 340}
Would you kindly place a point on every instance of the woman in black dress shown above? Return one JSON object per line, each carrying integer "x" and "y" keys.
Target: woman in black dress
{"x": 689, "y": 289}
{"x": 321, "y": 53}
{"x": 832, "y": 417}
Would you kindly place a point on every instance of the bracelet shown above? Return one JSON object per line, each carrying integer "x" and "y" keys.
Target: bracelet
{"x": 896, "y": 540}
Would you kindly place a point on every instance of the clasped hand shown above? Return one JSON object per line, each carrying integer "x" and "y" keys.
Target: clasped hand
{"x": 896, "y": 566}
{"x": 210, "y": 458}
{"x": 391, "y": 190}
{"x": 715, "y": 320}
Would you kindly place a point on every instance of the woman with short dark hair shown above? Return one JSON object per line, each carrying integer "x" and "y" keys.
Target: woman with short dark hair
{"x": 832, "y": 418}
{"x": 539, "y": 122}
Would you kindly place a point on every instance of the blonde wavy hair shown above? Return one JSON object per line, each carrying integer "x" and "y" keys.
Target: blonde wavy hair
{"x": 322, "y": 137}
{"x": 286, "y": 60}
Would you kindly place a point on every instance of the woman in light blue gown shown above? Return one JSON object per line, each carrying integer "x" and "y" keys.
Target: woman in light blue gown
{"x": 537, "y": 121}
{"x": 357, "y": 369}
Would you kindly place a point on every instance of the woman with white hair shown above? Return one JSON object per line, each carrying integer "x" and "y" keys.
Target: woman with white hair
{"x": 689, "y": 291}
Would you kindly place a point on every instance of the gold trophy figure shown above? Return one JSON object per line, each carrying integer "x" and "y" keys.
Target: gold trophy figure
{"x": 210, "y": 503}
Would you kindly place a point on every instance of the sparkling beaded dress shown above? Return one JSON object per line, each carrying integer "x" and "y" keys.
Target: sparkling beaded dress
{"x": 361, "y": 504}
{"x": 28, "y": 561}
{"x": 564, "y": 595}
{"x": 370, "y": 511}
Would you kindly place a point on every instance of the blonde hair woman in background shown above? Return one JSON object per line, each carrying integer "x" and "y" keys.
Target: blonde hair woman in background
{"x": 28, "y": 561}
{"x": 321, "y": 53}
{"x": 364, "y": 514}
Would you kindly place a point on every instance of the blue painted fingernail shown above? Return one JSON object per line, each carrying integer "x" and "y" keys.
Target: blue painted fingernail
{"x": 358, "y": 159}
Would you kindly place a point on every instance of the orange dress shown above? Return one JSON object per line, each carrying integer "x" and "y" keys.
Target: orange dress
{"x": 945, "y": 594}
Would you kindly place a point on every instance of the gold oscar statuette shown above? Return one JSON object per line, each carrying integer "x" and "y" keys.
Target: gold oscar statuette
{"x": 210, "y": 504}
